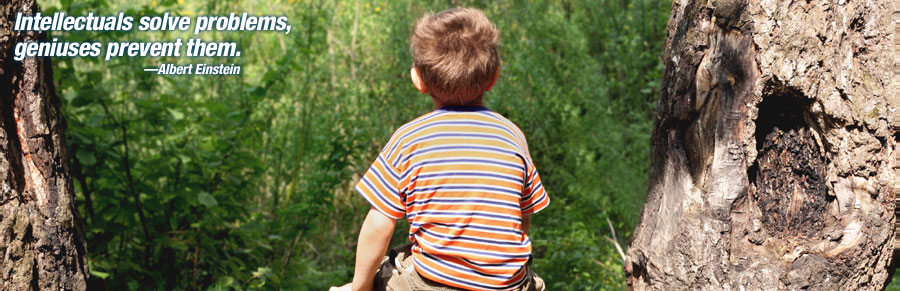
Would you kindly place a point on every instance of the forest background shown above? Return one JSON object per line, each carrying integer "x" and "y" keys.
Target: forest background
{"x": 245, "y": 182}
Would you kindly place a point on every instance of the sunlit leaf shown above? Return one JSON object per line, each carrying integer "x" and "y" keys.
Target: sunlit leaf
{"x": 86, "y": 158}
{"x": 177, "y": 115}
{"x": 98, "y": 274}
{"x": 207, "y": 200}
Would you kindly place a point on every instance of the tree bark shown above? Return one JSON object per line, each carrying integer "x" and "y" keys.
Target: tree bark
{"x": 41, "y": 238}
{"x": 772, "y": 151}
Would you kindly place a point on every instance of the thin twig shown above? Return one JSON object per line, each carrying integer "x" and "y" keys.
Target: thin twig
{"x": 126, "y": 165}
{"x": 353, "y": 42}
{"x": 614, "y": 240}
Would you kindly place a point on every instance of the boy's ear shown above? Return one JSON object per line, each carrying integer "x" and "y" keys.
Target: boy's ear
{"x": 417, "y": 80}
{"x": 494, "y": 81}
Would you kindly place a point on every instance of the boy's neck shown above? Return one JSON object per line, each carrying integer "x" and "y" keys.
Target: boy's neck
{"x": 474, "y": 102}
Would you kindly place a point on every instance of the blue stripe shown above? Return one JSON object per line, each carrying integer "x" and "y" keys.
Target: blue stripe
{"x": 451, "y": 200}
{"x": 458, "y": 135}
{"x": 469, "y": 214}
{"x": 464, "y": 226}
{"x": 482, "y": 188}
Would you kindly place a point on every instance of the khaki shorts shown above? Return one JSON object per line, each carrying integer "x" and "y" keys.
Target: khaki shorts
{"x": 397, "y": 274}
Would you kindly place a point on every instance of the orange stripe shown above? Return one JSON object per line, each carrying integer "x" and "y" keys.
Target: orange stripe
{"x": 431, "y": 169}
{"x": 506, "y": 184}
{"x": 465, "y": 220}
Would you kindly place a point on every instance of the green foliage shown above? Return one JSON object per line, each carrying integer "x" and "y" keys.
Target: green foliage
{"x": 245, "y": 182}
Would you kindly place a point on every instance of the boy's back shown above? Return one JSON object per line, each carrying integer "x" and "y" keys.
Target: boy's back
{"x": 463, "y": 177}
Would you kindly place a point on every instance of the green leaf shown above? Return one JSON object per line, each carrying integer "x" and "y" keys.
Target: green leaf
{"x": 184, "y": 159}
{"x": 207, "y": 200}
{"x": 226, "y": 281}
{"x": 207, "y": 145}
{"x": 262, "y": 271}
{"x": 86, "y": 95}
{"x": 98, "y": 274}
{"x": 178, "y": 245}
{"x": 264, "y": 245}
{"x": 177, "y": 115}
{"x": 86, "y": 158}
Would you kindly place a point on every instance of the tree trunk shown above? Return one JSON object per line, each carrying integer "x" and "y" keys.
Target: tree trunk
{"x": 772, "y": 150}
{"x": 41, "y": 239}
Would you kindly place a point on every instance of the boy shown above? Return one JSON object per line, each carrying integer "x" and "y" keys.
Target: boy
{"x": 461, "y": 174}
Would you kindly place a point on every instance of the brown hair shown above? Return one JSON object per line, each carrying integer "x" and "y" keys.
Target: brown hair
{"x": 455, "y": 53}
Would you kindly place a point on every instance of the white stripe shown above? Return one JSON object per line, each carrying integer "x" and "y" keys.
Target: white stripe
{"x": 419, "y": 191}
{"x": 468, "y": 198}
{"x": 497, "y": 242}
{"x": 450, "y": 213}
{"x": 467, "y": 203}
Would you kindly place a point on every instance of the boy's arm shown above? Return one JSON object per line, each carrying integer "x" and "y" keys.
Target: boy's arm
{"x": 374, "y": 237}
{"x": 526, "y": 223}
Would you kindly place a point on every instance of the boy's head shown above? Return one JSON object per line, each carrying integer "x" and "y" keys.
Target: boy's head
{"x": 455, "y": 55}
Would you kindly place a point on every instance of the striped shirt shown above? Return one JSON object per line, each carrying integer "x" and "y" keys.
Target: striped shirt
{"x": 463, "y": 177}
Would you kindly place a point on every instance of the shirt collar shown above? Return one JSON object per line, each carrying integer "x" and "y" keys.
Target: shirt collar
{"x": 463, "y": 108}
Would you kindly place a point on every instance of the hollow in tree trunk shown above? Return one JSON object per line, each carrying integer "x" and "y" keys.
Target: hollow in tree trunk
{"x": 772, "y": 149}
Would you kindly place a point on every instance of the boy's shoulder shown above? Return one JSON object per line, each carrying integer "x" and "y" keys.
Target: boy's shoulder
{"x": 451, "y": 114}
{"x": 474, "y": 116}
